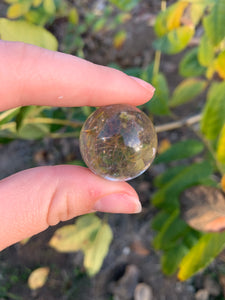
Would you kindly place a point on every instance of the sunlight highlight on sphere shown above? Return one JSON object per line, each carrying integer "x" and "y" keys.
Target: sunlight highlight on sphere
{"x": 118, "y": 142}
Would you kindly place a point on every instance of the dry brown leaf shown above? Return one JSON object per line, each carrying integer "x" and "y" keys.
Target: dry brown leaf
{"x": 203, "y": 208}
{"x": 139, "y": 248}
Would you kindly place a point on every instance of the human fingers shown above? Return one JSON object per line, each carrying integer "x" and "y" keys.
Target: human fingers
{"x": 32, "y": 75}
{"x": 32, "y": 200}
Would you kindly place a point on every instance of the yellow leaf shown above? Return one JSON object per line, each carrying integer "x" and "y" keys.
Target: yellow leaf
{"x": 223, "y": 183}
{"x": 74, "y": 16}
{"x": 164, "y": 145}
{"x": 221, "y": 146}
{"x": 124, "y": 17}
{"x": 220, "y": 64}
{"x": 211, "y": 70}
{"x": 11, "y": 1}
{"x": 37, "y": 3}
{"x": 119, "y": 39}
{"x": 95, "y": 254}
{"x": 71, "y": 238}
{"x": 196, "y": 11}
{"x": 175, "y": 17}
{"x": 38, "y": 278}
{"x": 22, "y": 31}
{"x": 90, "y": 235}
{"x": 24, "y": 241}
{"x": 170, "y": 18}
{"x": 49, "y": 6}
{"x": 17, "y": 10}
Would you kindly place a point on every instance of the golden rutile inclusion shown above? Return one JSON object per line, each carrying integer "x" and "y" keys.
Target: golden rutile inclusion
{"x": 118, "y": 142}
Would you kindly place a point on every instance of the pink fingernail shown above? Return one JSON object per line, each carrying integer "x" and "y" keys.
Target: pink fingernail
{"x": 145, "y": 84}
{"x": 118, "y": 203}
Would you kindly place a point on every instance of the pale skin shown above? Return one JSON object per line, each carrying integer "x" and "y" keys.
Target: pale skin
{"x": 34, "y": 199}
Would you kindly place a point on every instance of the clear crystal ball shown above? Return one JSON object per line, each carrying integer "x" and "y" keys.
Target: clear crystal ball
{"x": 118, "y": 142}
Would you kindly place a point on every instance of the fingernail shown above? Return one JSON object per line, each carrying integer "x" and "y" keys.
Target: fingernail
{"x": 145, "y": 84}
{"x": 118, "y": 203}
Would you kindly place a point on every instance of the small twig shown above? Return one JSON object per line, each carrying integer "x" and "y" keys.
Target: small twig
{"x": 177, "y": 124}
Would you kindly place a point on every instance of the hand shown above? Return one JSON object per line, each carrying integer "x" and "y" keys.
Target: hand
{"x": 33, "y": 199}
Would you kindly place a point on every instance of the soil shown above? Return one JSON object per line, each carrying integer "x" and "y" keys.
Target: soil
{"x": 131, "y": 260}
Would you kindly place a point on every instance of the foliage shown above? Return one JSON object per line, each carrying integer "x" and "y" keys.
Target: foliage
{"x": 203, "y": 65}
{"x": 90, "y": 235}
{"x": 189, "y": 162}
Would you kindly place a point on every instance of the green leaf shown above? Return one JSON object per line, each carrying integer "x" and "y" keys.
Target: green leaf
{"x": 70, "y": 238}
{"x": 36, "y": 3}
{"x": 10, "y": 1}
{"x": 135, "y": 71}
{"x": 170, "y": 18}
{"x": 23, "y": 31}
{"x": 38, "y": 16}
{"x": 18, "y": 9}
{"x": 214, "y": 23}
{"x": 175, "y": 41}
{"x": 189, "y": 65}
{"x": 197, "y": 11}
{"x": 214, "y": 111}
{"x": 221, "y": 146}
{"x": 206, "y": 249}
{"x": 159, "y": 220}
{"x": 191, "y": 238}
{"x": 159, "y": 103}
{"x": 172, "y": 230}
{"x": 187, "y": 90}
{"x": 171, "y": 258}
{"x": 180, "y": 150}
{"x": 73, "y": 16}
{"x": 77, "y": 163}
{"x": 95, "y": 255}
{"x": 125, "y": 4}
{"x": 23, "y": 114}
{"x": 165, "y": 177}
{"x": 205, "y": 51}
{"x": 49, "y": 6}
{"x": 33, "y": 131}
{"x": 167, "y": 197}
{"x": 90, "y": 235}
{"x": 100, "y": 25}
{"x": 5, "y": 140}
{"x": 8, "y": 115}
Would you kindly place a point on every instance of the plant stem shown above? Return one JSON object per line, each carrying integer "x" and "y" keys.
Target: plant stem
{"x": 177, "y": 124}
{"x": 156, "y": 63}
{"x": 158, "y": 53}
{"x": 73, "y": 124}
{"x": 163, "y": 5}
{"x": 59, "y": 135}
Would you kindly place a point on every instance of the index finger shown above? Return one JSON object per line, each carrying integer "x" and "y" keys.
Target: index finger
{"x": 30, "y": 75}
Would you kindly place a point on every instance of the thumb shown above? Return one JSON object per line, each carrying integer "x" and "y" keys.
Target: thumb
{"x": 33, "y": 199}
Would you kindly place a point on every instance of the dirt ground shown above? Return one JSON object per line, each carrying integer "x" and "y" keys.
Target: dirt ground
{"x": 131, "y": 264}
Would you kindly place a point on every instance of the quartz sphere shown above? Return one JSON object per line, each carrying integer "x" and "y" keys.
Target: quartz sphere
{"x": 118, "y": 142}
